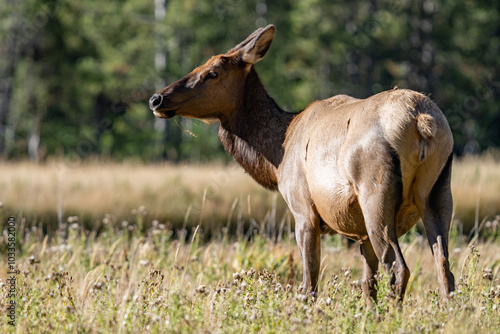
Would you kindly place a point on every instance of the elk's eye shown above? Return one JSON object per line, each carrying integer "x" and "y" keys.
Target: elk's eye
{"x": 212, "y": 75}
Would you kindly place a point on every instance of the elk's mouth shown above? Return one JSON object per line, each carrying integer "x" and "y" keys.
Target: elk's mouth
{"x": 165, "y": 113}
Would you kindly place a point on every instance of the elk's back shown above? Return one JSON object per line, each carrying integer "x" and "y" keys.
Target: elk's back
{"x": 339, "y": 144}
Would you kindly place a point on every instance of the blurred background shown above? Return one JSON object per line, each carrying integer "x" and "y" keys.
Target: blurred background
{"x": 75, "y": 76}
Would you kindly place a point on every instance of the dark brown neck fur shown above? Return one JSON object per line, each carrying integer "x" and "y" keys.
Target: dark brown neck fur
{"x": 255, "y": 133}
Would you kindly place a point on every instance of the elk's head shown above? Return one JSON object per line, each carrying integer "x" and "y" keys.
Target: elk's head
{"x": 214, "y": 89}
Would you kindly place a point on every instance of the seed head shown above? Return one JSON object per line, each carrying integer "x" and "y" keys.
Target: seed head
{"x": 202, "y": 289}
{"x": 488, "y": 274}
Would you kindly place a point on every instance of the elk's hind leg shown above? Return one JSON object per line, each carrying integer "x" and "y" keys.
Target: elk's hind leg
{"x": 380, "y": 202}
{"x": 436, "y": 215}
{"x": 370, "y": 268}
{"x": 381, "y": 228}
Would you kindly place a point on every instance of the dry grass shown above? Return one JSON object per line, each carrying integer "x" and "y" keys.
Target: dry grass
{"x": 476, "y": 189}
{"x": 209, "y": 193}
{"x": 169, "y": 192}
{"x": 102, "y": 275}
{"x": 125, "y": 281}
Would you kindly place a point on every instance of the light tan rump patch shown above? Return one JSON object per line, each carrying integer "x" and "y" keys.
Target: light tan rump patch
{"x": 426, "y": 126}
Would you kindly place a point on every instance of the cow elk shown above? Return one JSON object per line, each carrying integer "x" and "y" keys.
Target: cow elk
{"x": 367, "y": 169}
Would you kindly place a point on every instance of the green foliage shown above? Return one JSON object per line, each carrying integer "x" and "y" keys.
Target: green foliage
{"x": 76, "y": 76}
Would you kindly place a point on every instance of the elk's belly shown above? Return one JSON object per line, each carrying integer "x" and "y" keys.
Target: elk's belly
{"x": 337, "y": 205}
{"x": 350, "y": 223}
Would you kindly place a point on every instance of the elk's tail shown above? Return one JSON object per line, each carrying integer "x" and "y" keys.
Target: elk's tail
{"x": 426, "y": 127}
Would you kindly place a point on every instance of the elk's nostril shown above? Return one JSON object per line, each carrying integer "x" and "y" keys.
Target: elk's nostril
{"x": 155, "y": 101}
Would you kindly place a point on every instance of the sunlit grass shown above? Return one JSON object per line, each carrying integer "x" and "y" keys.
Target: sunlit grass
{"x": 188, "y": 194}
{"x": 125, "y": 280}
{"x": 476, "y": 189}
{"x": 170, "y": 192}
{"x": 162, "y": 248}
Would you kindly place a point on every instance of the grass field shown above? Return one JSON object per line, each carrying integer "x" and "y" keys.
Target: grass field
{"x": 203, "y": 249}
{"x": 216, "y": 195}
{"x": 126, "y": 281}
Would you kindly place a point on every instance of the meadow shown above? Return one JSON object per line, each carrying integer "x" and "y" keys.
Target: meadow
{"x": 213, "y": 195}
{"x": 129, "y": 248}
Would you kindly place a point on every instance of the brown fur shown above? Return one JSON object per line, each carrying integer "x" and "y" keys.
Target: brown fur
{"x": 256, "y": 164}
{"x": 367, "y": 169}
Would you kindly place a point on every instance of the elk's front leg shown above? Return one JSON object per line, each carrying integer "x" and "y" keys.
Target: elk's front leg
{"x": 308, "y": 235}
{"x": 295, "y": 190}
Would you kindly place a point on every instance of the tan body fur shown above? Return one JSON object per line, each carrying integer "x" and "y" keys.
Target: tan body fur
{"x": 368, "y": 169}
{"x": 330, "y": 164}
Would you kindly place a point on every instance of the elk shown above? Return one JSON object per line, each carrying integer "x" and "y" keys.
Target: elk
{"x": 367, "y": 169}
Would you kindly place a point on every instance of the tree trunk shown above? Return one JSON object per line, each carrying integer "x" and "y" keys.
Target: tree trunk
{"x": 7, "y": 80}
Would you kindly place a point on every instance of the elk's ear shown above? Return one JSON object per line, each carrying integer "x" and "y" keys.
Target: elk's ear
{"x": 255, "y": 47}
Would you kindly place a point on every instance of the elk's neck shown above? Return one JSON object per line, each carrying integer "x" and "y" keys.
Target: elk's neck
{"x": 255, "y": 133}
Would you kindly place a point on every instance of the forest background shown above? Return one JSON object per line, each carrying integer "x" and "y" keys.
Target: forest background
{"x": 75, "y": 76}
